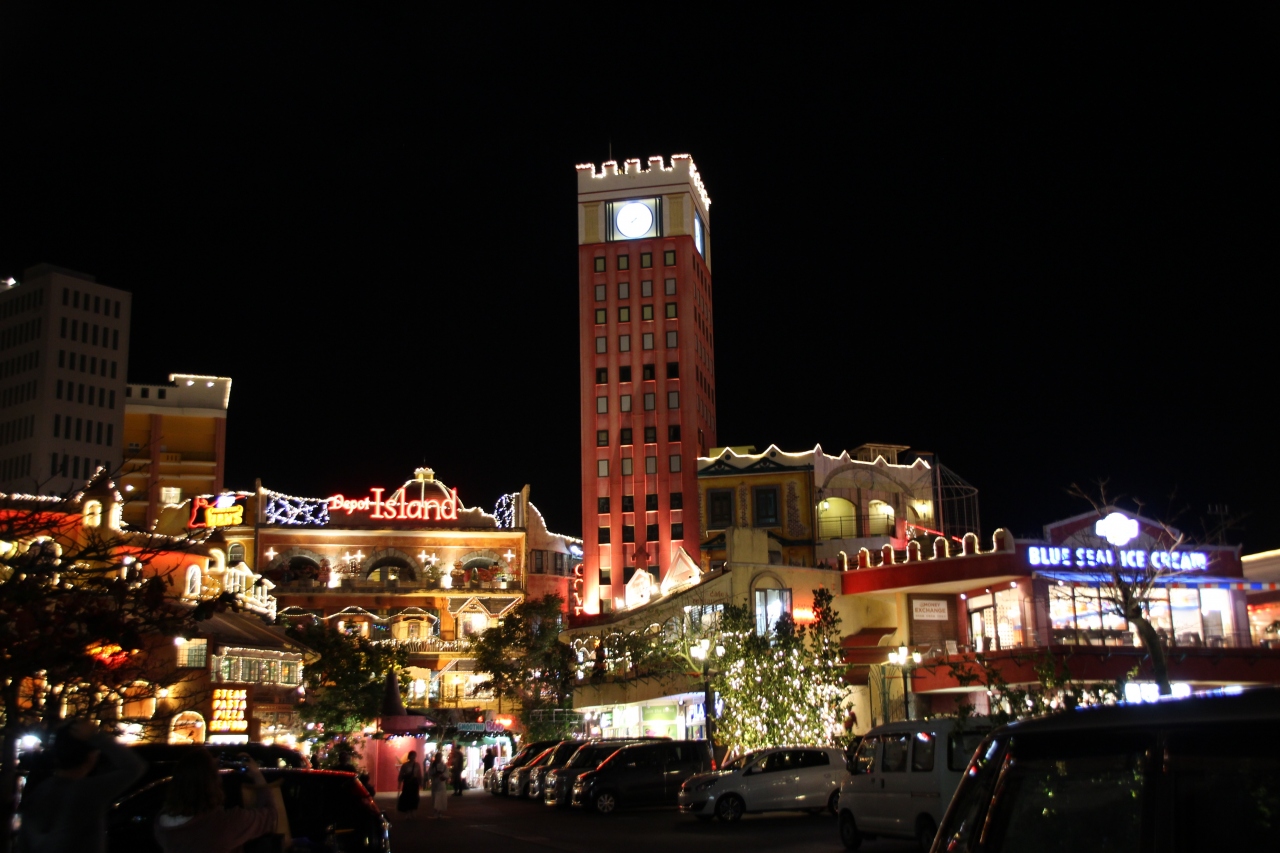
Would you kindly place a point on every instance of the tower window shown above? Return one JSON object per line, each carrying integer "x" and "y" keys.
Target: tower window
{"x": 602, "y": 504}
{"x": 646, "y": 339}
{"x": 669, "y": 257}
{"x": 624, "y": 373}
{"x": 649, "y": 372}
{"x": 601, "y": 316}
{"x": 671, "y": 310}
{"x": 673, "y": 369}
{"x": 602, "y": 438}
{"x": 624, "y": 290}
{"x": 651, "y": 464}
{"x": 628, "y": 533}
{"x": 624, "y": 403}
{"x": 677, "y": 531}
{"x": 602, "y": 345}
{"x": 624, "y": 343}
{"x": 646, "y": 312}
{"x": 624, "y": 262}
{"x": 675, "y": 463}
{"x": 624, "y": 314}
{"x": 675, "y": 500}
{"x": 628, "y": 503}
{"x": 626, "y": 466}
{"x": 600, "y": 292}
{"x": 602, "y": 535}
{"x": 651, "y": 503}
{"x": 624, "y": 436}
{"x": 646, "y": 288}
{"x": 599, "y": 264}
{"x": 673, "y": 399}
{"x": 650, "y": 435}
{"x": 673, "y": 432}
{"x": 602, "y": 375}
{"x": 602, "y": 467}
{"x": 651, "y": 533}
{"x": 672, "y": 341}
{"x": 602, "y": 405}
{"x": 650, "y": 402}
{"x": 646, "y": 259}
{"x": 671, "y": 287}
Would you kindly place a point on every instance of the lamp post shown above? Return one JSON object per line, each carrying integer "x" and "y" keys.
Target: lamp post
{"x": 906, "y": 660}
{"x": 703, "y": 651}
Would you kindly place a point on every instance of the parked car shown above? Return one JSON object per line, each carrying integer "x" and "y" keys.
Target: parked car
{"x": 642, "y": 774}
{"x": 557, "y": 788}
{"x": 902, "y": 777}
{"x": 791, "y": 778}
{"x": 518, "y": 783}
{"x": 538, "y": 770}
{"x": 326, "y": 807}
{"x": 530, "y": 751}
{"x": 1189, "y": 774}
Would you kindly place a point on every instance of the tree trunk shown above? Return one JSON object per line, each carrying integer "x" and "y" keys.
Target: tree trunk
{"x": 1159, "y": 662}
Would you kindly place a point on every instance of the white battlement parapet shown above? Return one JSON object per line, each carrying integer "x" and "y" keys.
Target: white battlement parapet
{"x": 600, "y": 183}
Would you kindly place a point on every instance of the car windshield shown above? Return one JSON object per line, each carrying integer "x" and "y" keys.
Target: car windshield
{"x": 743, "y": 760}
{"x": 591, "y": 755}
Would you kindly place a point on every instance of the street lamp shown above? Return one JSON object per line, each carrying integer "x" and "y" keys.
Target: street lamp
{"x": 703, "y": 651}
{"x": 906, "y": 660}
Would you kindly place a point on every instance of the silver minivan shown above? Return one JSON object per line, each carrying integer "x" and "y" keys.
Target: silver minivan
{"x": 902, "y": 777}
{"x": 783, "y": 778}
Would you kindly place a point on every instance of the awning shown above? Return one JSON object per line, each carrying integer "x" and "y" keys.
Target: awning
{"x": 1170, "y": 581}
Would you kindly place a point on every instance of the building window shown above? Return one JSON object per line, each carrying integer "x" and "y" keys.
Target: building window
{"x": 646, "y": 340}
{"x": 669, "y": 257}
{"x": 646, "y": 312}
{"x": 650, "y": 402}
{"x": 719, "y": 508}
{"x": 601, "y": 316}
{"x": 602, "y": 375}
{"x": 671, "y": 287}
{"x": 628, "y": 503}
{"x": 649, "y": 372}
{"x": 651, "y": 464}
{"x": 62, "y": 358}
{"x": 624, "y": 373}
{"x": 624, "y": 290}
{"x": 646, "y": 288}
{"x": 624, "y": 314}
{"x": 675, "y": 463}
{"x": 600, "y": 290}
{"x": 628, "y": 533}
{"x": 599, "y": 264}
{"x": 650, "y": 435}
{"x": 673, "y": 369}
{"x": 624, "y": 403}
{"x": 624, "y": 262}
{"x": 676, "y": 500}
{"x": 602, "y": 467}
{"x": 606, "y": 576}
{"x": 235, "y": 553}
{"x": 170, "y": 495}
{"x": 673, "y": 432}
{"x": 624, "y": 435}
{"x": 602, "y": 535}
{"x": 671, "y": 340}
{"x": 602, "y": 504}
{"x": 602, "y": 345}
{"x": 677, "y": 531}
{"x": 606, "y": 599}
{"x": 602, "y": 405}
{"x": 624, "y": 343}
{"x": 651, "y": 503}
{"x": 537, "y": 562}
{"x": 766, "y": 505}
{"x": 770, "y": 605}
{"x": 673, "y": 399}
{"x": 651, "y": 533}
{"x": 602, "y": 438}
{"x": 626, "y": 466}
{"x": 193, "y": 654}
{"x": 646, "y": 259}
{"x": 671, "y": 310}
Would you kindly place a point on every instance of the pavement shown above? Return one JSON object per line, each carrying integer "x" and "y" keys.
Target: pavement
{"x": 502, "y": 823}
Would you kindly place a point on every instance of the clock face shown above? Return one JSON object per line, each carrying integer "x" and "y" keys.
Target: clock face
{"x": 634, "y": 220}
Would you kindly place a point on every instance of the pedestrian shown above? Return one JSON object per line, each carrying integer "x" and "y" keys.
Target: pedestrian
{"x": 486, "y": 763}
{"x": 457, "y": 761}
{"x": 68, "y": 811}
{"x": 193, "y": 819}
{"x": 439, "y": 776}
{"x": 410, "y": 784}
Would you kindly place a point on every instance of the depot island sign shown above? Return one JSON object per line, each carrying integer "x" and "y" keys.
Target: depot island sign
{"x": 399, "y": 505}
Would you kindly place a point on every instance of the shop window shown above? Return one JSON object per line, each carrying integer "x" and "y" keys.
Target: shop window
{"x": 719, "y": 508}
{"x": 770, "y": 605}
{"x": 765, "y": 499}
{"x": 170, "y": 495}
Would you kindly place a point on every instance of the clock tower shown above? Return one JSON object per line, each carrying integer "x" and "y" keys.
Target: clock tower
{"x": 647, "y": 383}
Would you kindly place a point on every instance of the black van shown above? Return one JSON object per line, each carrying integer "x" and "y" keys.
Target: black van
{"x": 642, "y": 774}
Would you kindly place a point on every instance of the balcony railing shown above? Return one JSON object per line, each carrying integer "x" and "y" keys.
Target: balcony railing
{"x": 349, "y": 585}
{"x": 425, "y": 645}
{"x": 856, "y": 526}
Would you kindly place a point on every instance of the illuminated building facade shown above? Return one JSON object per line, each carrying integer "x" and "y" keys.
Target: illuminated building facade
{"x": 647, "y": 384}
{"x": 64, "y": 356}
{"x": 407, "y": 564}
{"x": 175, "y": 439}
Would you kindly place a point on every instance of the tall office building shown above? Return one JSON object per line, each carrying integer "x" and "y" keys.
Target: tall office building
{"x": 64, "y": 356}
{"x": 648, "y": 374}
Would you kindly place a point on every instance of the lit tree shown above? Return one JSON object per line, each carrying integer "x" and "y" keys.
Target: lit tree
{"x": 528, "y": 665}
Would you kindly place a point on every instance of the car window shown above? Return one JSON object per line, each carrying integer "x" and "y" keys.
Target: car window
{"x": 1074, "y": 791}
{"x": 865, "y": 760}
{"x": 960, "y": 748}
{"x": 969, "y": 807}
{"x": 644, "y": 757}
{"x": 895, "y": 752}
{"x": 1226, "y": 781}
{"x": 813, "y": 758}
{"x": 922, "y": 752}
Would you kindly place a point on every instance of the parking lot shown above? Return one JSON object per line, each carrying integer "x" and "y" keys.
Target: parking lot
{"x": 501, "y": 823}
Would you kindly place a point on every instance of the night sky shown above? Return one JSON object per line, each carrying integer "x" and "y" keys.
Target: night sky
{"x": 1040, "y": 247}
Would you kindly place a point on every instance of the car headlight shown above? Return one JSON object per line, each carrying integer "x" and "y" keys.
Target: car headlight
{"x": 704, "y": 786}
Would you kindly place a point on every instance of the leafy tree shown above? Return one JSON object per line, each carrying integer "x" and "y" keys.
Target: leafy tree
{"x": 783, "y": 687}
{"x": 528, "y": 665}
{"x": 346, "y": 686}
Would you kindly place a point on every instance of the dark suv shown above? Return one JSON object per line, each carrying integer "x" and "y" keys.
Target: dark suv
{"x": 557, "y": 787}
{"x": 1175, "y": 775}
{"x": 642, "y": 774}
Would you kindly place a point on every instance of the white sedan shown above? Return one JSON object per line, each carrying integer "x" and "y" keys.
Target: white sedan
{"x": 781, "y": 778}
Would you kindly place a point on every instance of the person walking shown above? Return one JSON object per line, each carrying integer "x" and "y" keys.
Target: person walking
{"x": 439, "y": 776}
{"x": 457, "y": 761}
{"x": 410, "y": 784}
{"x": 193, "y": 819}
{"x": 486, "y": 764}
{"x": 68, "y": 811}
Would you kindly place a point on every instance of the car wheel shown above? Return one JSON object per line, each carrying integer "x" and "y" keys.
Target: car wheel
{"x": 833, "y": 802}
{"x": 730, "y": 808}
{"x": 926, "y": 829}
{"x": 604, "y": 803}
{"x": 849, "y": 835}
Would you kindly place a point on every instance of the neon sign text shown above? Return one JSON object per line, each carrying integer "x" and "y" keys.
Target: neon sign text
{"x": 397, "y": 506}
{"x": 577, "y": 590}
{"x": 221, "y": 511}
{"x": 1091, "y": 558}
{"x": 229, "y": 708}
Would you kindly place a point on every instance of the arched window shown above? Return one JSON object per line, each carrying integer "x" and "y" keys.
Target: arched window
{"x": 187, "y": 727}
{"x": 235, "y": 553}
{"x": 879, "y": 519}
{"x": 92, "y": 513}
{"x": 837, "y": 519}
{"x": 195, "y": 582}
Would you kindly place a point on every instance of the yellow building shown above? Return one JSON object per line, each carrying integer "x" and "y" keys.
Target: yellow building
{"x": 175, "y": 440}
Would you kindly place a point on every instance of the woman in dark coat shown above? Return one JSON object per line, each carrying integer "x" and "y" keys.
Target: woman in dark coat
{"x": 410, "y": 784}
